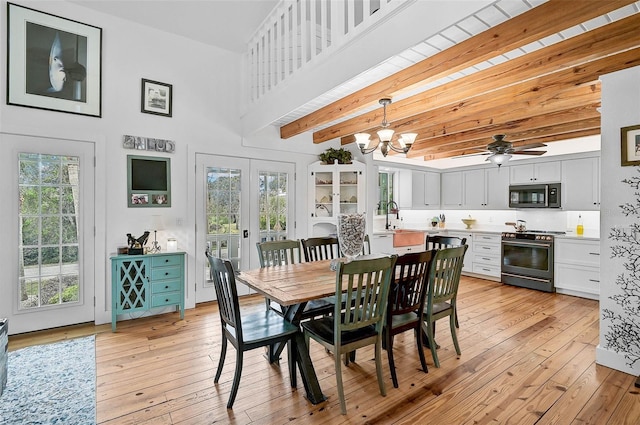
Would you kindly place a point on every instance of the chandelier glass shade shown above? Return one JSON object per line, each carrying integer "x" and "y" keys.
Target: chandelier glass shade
{"x": 499, "y": 158}
{"x": 385, "y": 136}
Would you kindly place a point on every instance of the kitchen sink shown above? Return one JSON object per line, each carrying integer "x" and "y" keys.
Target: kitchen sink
{"x": 402, "y": 237}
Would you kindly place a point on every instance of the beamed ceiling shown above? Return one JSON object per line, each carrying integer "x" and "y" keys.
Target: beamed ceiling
{"x": 547, "y": 95}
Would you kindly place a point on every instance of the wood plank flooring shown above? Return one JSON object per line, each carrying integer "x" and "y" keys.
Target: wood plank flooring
{"x": 528, "y": 357}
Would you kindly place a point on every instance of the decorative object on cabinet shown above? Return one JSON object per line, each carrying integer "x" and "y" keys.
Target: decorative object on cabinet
{"x": 136, "y": 245}
{"x": 69, "y": 78}
{"x": 329, "y": 156}
{"x": 156, "y": 98}
{"x": 468, "y": 222}
{"x": 148, "y": 181}
{"x": 385, "y": 135}
{"x": 630, "y": 148}
{"x": 148, "y": 143}
{"x": 158, "y": 224}
{"x": 142, "y": 282}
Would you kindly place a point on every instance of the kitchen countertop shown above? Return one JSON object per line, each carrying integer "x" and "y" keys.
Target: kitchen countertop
{"x": 588, "y": 235}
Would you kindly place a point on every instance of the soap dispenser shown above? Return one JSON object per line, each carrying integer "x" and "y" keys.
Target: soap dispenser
{"x": 580, "y": 226}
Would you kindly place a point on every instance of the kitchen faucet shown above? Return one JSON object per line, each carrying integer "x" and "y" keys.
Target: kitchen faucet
{"x": 392, "y": 203}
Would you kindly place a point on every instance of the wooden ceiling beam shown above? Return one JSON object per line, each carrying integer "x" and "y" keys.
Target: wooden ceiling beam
{"x": 541, "y": 21}
{"x": 590, "y": 46}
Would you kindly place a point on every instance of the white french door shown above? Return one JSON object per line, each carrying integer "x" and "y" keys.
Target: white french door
{"x": 48, "y": 217}
{"x": 239, "y": 202}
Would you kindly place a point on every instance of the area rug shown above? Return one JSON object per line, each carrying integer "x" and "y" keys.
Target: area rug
{"x": 51, "y": 384}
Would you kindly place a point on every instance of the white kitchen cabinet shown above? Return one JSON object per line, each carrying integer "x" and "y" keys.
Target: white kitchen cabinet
{"x": 334, "y": 189}
{"x": 486, "y": 189}
{"x": 468, "y": 256}
{"x": 382, "y": 243}
{"x": 486, "y": 254}
{"x": 581, "y": 184}
{"x": 452, "y": 190}
{"x": 405, "y": 189}
{"x": 425, "y": 190}
{"x": 577, "y": 267}
{"x": 539, "y": 172}
{"x": 401, "y": 250}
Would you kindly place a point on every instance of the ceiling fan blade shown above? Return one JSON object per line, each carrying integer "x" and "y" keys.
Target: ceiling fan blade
{"x": 528, "y": 152}
{"x": 531, "y": 146}
{"x": 466, "y": 155}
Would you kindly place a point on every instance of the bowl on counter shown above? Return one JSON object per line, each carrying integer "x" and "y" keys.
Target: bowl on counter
{"x": 468, "y": 222}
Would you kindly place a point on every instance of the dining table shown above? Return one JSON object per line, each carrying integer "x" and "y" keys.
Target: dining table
{"x": 293, "y": 286}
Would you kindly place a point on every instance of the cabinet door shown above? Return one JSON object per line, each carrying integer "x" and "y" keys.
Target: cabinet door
{"x": 497, "y": 189}
{"x": 382, "y": 244}
{"x": 405, "y": 190}
{"x": 418, "y": 191}
{"x": 474, "y": 189}
{"x": 452, "y": 190}
{"x": 131, "y": 284}
{"x": 581, "y": 184}
{"x": 540, "y": 172}
{"x": 432, "y": 190}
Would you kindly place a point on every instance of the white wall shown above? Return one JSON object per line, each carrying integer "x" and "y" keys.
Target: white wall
{"x": 206, "y": 86}
{"x": 620, "y": 108}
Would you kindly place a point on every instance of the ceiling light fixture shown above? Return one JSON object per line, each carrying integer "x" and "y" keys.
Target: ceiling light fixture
{"x": 385, "y": 135}
{"x": 499, "y": 158}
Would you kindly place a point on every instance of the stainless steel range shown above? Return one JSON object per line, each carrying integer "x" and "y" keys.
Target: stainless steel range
{"x": 527, "y": 259}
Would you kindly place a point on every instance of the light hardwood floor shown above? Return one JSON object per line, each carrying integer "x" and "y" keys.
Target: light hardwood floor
{"x": 528, "y": 357}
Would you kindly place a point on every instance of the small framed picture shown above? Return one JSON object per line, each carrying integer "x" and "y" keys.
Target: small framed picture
{"x": 156, "y": 98}
{"x": 630, "y": 145}
{"x": 53, "y": 63}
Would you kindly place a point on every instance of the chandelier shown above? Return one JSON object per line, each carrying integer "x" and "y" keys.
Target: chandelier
{"x": 385, "y": 135}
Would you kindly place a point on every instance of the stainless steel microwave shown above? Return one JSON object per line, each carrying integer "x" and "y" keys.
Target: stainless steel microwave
{"x": 535, "y": 196}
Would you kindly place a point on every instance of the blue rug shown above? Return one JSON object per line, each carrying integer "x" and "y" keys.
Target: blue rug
{"x": 51, "y": 384}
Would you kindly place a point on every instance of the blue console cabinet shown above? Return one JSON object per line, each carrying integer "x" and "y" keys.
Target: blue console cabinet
{"x": 142, "y": 282}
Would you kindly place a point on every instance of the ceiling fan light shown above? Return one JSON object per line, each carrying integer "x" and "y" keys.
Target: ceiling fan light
{"x": 499, "y": 158}
{"x": 385, "y": 135}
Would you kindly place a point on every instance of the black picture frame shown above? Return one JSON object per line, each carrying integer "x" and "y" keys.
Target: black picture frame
{"x": 630, "y": 145}
{"x": 148, "y": 181}
{"x": 53, "y": 63}
{"x": 156, "y": 98}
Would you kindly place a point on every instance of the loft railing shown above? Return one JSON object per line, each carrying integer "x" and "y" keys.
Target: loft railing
{"x": 300, "y": 32}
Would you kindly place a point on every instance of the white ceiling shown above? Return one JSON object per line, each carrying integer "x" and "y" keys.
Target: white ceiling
{"x": 229, "y": 24}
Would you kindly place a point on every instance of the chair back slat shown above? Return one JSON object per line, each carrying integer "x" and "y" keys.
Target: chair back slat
{"x": 320, "y": 248}
{"x": 444, "y": 276}
{"x": 224, "y": 282}
{"x": 277, "y": 253}
{"x": 408, "y": 292}
{"x": 366, "y": 282}
{"x": 440, "y": 242}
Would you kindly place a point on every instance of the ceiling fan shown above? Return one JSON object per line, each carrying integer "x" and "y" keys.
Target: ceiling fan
{"x": 500, "y": 150}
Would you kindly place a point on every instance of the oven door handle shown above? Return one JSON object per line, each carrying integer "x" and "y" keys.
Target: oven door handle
{"x": 546, "y": 195}
{"x": 544, "y": 245}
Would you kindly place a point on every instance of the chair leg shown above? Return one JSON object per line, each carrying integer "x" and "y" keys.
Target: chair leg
{"x": 423, "y": 362}
{"x": 432, "y": 343}
{"x": 267, "y": 303}
{"x": 236, "y": 379}
{"x": 223, "y": 354}
{"x": 392, "y": 365}
{"x": 343, "y": 403}
{"x": 383, "y": 390}
{"x": 292, "y": 352}
{"x": 454, "y": 334}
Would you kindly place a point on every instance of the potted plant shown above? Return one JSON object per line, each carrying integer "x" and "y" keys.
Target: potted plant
{"x": 330, "y": 155}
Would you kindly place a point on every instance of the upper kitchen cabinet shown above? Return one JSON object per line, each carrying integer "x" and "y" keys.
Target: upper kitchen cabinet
{"x": 425, "y": 190}
{"x": 334, "y": 189}
{"x": 539, "y": 172}
{"x": 486, "y": 189}
{"x": 451, "y": 190}
{"x": 405, "y": 189}
{"x": 581, "y": 184}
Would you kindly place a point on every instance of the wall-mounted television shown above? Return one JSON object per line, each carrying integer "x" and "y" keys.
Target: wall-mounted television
{"x": 148, "y": 181}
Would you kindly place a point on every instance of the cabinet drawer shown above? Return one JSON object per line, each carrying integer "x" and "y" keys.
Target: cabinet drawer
{"x": 484, "y": 249}
{"x": 159, "y": 273}
{"x": 165, "y": 286}
{"x": 487, "y": 238}
{"x": 487, "y": 269}
{"x": 166, "y": 260}
{"x": 577, "y": 252}
{"x": 406, "y": 249}
{"x": 492, "y": 260}
{"x": 577, "y": 278}
{"x": 170, "y": 298}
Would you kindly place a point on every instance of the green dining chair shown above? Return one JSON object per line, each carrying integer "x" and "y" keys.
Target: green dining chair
{"x": 247, "y": 332}
{"x": 368, "y": 281}
{"x": 442, "y": 293}
{"x": 320, "y": 248}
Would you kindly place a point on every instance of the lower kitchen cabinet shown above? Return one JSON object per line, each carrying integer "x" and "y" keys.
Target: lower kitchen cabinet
{"x": 142, "y": 282}
{"x": 577, "y": 267}
{"x": 468, "y": 256}
{"x": 401, "y": 250}
{"x": 486, "y": 254}
{"x": 382, "y": 243}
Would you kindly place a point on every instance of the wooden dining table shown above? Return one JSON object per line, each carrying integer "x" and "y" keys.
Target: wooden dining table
{"x": 293, "y": 286}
